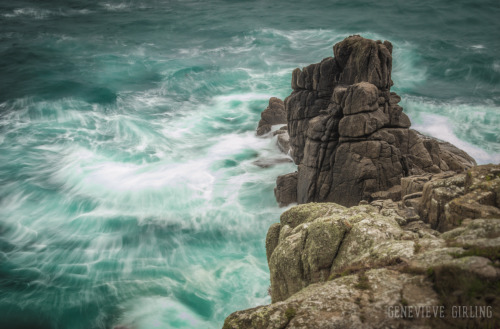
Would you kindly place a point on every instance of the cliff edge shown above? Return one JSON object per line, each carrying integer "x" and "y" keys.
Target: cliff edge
{"x": 372, "y": 266}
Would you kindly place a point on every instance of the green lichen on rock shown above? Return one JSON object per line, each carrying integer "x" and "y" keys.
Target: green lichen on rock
{"x": 290, "y": 313}
{"x": 316, "y": 240}
{"x": 363, "y": 282}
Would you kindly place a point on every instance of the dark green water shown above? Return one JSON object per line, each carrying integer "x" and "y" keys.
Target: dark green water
{"x": 128, "y": 192}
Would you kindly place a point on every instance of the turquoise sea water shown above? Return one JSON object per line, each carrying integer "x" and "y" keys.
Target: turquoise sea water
{"x": 128, "y": 189}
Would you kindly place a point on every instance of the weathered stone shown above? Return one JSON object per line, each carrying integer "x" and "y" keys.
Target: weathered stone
{"x": 436, "y": 195}
{"x": 346, "y": 267}
{"x": 342, "y": 304}
{"x": 316, "y": 240}
{"x": 284, "y": 142}
{"x": 363, "y": 124}
{"x": 446, "y": 202}
{"x": 286, "y": 189}
{"x": 281, "y": 130}
{"x": 274, "y": 114}
{"x": 413, "y": 184}
{"x": 361, "y": 60}
{"x": 394, "y": 193}
{"x": 272, "y": 239}
{"x": 345, "y": 101}
{"x": 360, "y": 97}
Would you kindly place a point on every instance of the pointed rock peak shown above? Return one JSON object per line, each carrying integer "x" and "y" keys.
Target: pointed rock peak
{"x": 366, "y": 60}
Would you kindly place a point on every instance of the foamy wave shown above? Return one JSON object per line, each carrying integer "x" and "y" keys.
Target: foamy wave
{"x": 120, "y": 6}
{"x": 471, "y": 127}
{"x": 38, "y": 13}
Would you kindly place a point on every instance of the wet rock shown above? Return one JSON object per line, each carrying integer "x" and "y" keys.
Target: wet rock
{"x": 274, "y": 114}
{"x": 284, "y": 142}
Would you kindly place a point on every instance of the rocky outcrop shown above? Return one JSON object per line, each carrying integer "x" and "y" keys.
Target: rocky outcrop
{"x": 363, "y": 267}
{"x": 447, "y": 201}
{"x": 422, "y": 230}
{"x": 274, "y": 114}
{"x": 347, "y": 133}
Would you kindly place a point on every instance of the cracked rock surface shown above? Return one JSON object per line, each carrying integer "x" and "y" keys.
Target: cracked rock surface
{"x": 338, "y": 267}
{"x": 347, "y": 133}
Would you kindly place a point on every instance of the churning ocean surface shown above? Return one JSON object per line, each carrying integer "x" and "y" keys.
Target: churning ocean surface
{"x": 129, "y": 193}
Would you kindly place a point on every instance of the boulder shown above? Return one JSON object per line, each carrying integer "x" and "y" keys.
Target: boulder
{"x": 316, "y": 240}
{"x": 286, "y": 189}
{"x": 274, "y": 114}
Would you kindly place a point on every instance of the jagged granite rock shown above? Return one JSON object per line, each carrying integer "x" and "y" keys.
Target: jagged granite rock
{"x": 316, "y": 240}
{"x": 447, "y": 201}
{"x": 274, "y": 114}
{"x": 337, "y": 267}
{"x": 347, "y": 133}
{"x": 339, "y": 304}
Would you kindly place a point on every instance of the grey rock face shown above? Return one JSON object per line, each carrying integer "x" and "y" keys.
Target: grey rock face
{"x": 347, "y": 133}
{"x": 286, "y": 189}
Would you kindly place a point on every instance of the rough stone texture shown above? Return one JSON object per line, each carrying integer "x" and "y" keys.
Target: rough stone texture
{"x": 394, "y": 193}
{"x": 286, "y": 189}
{"x": 316, "y": 240}
{"x": 413, "y": 184}
{"x": 274, "y": 114}
{"x": 339, "y": 304}
{"x": 347, "y": 133}
{"x": 337, "y": 267}
{"x": 448, "y": 200}
{"x": 284, "y": 142}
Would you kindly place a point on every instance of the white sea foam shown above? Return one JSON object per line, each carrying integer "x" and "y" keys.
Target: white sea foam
{"x": 159, "y": 312}
{"x": 440, "y": 127}
{"x": 496, "y": 66}
{"x": 470, "y": 127}
{"x": 40, "y": 14}
{"x": 30, "y": 12}
{"x": 243, "y": 97}
{"x": 478, "y": 47}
